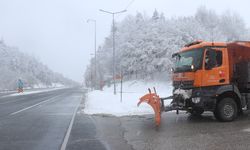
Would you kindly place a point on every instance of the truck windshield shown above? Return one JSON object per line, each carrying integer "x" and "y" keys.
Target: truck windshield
{"x": 184, "y": 60}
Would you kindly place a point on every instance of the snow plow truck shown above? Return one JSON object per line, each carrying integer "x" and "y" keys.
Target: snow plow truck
{"x": 208, "y": 76}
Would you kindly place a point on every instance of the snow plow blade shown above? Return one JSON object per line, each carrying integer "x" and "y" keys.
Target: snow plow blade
{"x": 155, "y": 102}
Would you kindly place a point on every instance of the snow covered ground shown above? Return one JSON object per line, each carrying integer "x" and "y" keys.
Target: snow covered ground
{"x": 54, "y": 85}
{"x": 105, "y": 102}
{"x": 27, "y": 92}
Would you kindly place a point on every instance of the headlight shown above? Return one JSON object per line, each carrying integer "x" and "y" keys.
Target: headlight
{"x": 196, "y": 100}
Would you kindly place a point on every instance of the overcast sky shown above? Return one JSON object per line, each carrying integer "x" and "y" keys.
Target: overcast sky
{"x": 56, "y": 31}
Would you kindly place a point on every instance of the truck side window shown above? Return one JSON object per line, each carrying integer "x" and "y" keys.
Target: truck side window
{"x": 218, "y": 58}
{"x": 213, "y": 59}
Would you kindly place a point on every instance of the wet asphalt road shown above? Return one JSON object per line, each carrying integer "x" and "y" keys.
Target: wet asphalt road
{"x": 187, "y": 132}
{"x": 41, "y": 121}
{"x": 177, "y": 132}
{"x": 37, "y": 121}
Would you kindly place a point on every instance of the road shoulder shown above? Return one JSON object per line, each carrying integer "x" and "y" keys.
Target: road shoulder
{"x": 83, "y": 134}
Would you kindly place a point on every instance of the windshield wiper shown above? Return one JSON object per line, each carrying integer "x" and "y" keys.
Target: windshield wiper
{"x": 183, "y": 68}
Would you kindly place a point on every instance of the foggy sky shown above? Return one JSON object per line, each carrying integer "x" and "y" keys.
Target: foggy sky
{"x": 56, "y": 31}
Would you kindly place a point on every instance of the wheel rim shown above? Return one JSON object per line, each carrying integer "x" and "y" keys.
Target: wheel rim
{"x": 228, "y": 111}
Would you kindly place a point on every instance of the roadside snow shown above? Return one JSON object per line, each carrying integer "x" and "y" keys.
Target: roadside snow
{"x": 35, "y": 91}
{"x": 105, "y": 102}
{"x": 186, "y": 94}
{"x": 53, "y": 85}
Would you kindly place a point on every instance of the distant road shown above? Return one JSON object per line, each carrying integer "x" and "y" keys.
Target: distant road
{"x": 37, "y": 121}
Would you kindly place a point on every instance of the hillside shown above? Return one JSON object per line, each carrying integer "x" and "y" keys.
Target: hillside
{"x": 16, "y": 65}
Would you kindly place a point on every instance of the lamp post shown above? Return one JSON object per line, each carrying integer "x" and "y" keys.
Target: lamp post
{"x": 94, "y": 21}
{"x": 113, "y": 29}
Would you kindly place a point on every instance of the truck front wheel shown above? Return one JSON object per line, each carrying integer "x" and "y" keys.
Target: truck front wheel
{"x": 226, "y": 110}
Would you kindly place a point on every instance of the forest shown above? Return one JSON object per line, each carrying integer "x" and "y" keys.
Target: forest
{"x": 144, "y": 44}
{"x": 17, "y": 65}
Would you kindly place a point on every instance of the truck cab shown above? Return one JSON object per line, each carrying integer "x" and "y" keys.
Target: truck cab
{"x": 212, "y": 76}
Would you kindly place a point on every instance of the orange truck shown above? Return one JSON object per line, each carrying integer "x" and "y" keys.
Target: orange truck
{"x": 208, "y": 76}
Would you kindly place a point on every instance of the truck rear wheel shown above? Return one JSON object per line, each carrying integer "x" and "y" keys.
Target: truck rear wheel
{"x": 226, "y": 110}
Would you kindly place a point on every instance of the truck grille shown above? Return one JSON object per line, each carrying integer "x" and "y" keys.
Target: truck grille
{"x": 183, "y": 84}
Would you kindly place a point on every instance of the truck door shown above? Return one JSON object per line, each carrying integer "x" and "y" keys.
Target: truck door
{"x": 215, "y": 68}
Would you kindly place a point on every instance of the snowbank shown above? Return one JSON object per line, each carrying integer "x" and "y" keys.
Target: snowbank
{"x": 105, "y": 102}
{"x": 53, "y": 85}
{"x": 27, "y": 92}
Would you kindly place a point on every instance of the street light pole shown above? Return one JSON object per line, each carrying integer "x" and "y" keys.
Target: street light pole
{"x": 94, "y": 21}
{"x": 114, "y": 60}
{"x": 113, "y": 29}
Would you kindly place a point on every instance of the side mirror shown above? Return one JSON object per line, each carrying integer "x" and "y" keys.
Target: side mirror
{"x": 176, "y": 55}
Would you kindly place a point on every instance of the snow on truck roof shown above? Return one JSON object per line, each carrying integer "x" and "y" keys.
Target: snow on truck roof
{"x": 199, "y": 44}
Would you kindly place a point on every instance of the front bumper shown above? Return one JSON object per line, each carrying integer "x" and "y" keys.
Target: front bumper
{"x": 199, "y": 98}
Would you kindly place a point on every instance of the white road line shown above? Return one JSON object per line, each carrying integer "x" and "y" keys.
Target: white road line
{"x": 66, "y": 138}
{"x": 246, "y": 130}
{"x": 14, "y": 113}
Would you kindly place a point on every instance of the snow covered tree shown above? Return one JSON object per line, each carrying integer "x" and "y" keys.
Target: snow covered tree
{"x": 144, "y": 45}
{"x": 16, "y": 65}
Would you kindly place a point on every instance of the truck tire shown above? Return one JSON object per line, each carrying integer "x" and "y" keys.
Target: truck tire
{"x": 226, "y": 110}
{"x": 196, "y": 111}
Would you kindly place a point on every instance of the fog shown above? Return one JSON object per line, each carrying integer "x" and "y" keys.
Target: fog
{"x": 57, "y": 33}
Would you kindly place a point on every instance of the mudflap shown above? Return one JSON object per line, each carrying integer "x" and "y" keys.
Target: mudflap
{"x": 155, "y": 102}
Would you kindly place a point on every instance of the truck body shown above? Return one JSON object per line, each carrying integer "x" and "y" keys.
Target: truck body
{"x": 209, "y": 76}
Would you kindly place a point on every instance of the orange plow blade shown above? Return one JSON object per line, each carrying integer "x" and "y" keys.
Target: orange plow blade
{"x": 155, "y": 102}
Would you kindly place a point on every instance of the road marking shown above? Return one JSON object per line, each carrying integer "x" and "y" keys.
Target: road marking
{"x": 246, "y": 130}
{"x": 66, "y": 138}
{"x": 14, "y": 113}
